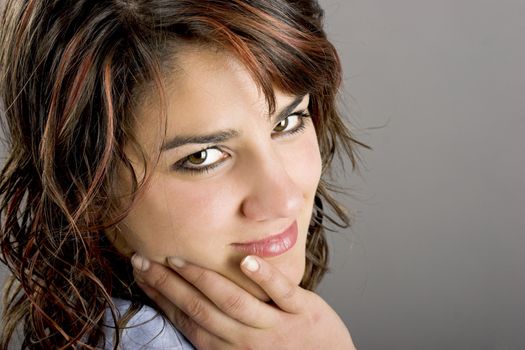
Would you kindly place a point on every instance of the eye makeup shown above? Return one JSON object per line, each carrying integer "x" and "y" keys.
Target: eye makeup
{"x": 187, "y": 166}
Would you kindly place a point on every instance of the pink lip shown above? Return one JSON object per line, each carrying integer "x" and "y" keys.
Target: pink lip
{"x": 273, "y": 245}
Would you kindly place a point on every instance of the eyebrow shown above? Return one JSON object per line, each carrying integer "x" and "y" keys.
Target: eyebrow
{"x": 224, "y": 135}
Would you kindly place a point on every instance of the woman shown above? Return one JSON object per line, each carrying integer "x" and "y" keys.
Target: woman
{"x": 187, "y": 139}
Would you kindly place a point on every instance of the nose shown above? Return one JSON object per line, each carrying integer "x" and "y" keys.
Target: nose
{"x": 274, "y": 192}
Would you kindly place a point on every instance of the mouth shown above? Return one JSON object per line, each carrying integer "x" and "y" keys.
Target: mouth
{"x": 271, "y": 246}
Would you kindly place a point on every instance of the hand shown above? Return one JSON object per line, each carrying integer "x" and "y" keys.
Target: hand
{"x": 215, "y": 313}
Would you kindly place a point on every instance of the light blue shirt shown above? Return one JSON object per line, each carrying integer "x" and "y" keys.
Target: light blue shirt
{"x": 145, "y": 330}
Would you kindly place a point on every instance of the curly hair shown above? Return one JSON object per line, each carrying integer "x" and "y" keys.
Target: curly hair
{"x": 72, "y": 73}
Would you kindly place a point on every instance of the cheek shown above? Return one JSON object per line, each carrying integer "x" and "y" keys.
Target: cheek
{"x": 172, "y": 218}
{"x": 195, "y": 221}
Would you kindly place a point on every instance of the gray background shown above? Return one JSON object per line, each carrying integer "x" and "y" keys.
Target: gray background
{"x": 435, "y": 258}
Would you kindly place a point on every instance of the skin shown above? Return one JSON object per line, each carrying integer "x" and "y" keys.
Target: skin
{"x": 266, "y": 179}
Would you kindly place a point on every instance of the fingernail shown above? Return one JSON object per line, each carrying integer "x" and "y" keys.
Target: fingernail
{"x": 177, "y": 262}
{"x": 250, "y": 263}
{"x": 140, "y": 263}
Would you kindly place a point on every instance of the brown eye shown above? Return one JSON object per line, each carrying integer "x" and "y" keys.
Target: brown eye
{"x": 198, "y": 158}
{"x": 290, "y": 123}
{"x": 204, "y": 158}
{"x": 281, "y": 126}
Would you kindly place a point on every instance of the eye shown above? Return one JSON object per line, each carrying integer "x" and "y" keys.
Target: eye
{"x": 201, "y": 161}
{"x": 292, "y": 124}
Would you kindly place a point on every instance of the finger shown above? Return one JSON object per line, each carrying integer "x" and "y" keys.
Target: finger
{"x": 287, "y": 295}
{"x": 170, "y": 290}
{"x": 195, "y": 333}
{"x": 226, "y": 295}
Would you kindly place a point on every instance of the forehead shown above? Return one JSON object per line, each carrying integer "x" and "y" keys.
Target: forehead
{"x": 206, "y": 90}
{"x": 210, "y": 82}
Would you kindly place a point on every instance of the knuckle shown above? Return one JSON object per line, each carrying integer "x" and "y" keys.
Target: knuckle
{"x": 269, "y": 278}
{"x": 184, "y": 323}
{"x": 289, "y": 292}
{"x": 234, "y": 304}
{"x": 189, "y": 328}
{"x": 201, "y": 278}
{"x": 160, "y": 280}
{"x": 196, "y": 309}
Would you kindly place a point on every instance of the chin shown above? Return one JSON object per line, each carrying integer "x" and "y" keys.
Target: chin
{"x": 292, "y": 271}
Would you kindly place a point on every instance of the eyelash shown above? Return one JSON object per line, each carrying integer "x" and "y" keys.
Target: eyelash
{"x": 179, "y": 166}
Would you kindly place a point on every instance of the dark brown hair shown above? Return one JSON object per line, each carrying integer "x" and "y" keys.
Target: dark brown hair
{"x": 72, "y": 74}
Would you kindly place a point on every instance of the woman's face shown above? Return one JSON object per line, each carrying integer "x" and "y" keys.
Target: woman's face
{"x": 228, "y": 172}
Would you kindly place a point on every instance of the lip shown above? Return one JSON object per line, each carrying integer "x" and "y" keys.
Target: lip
{"x": 271, "y": 246}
